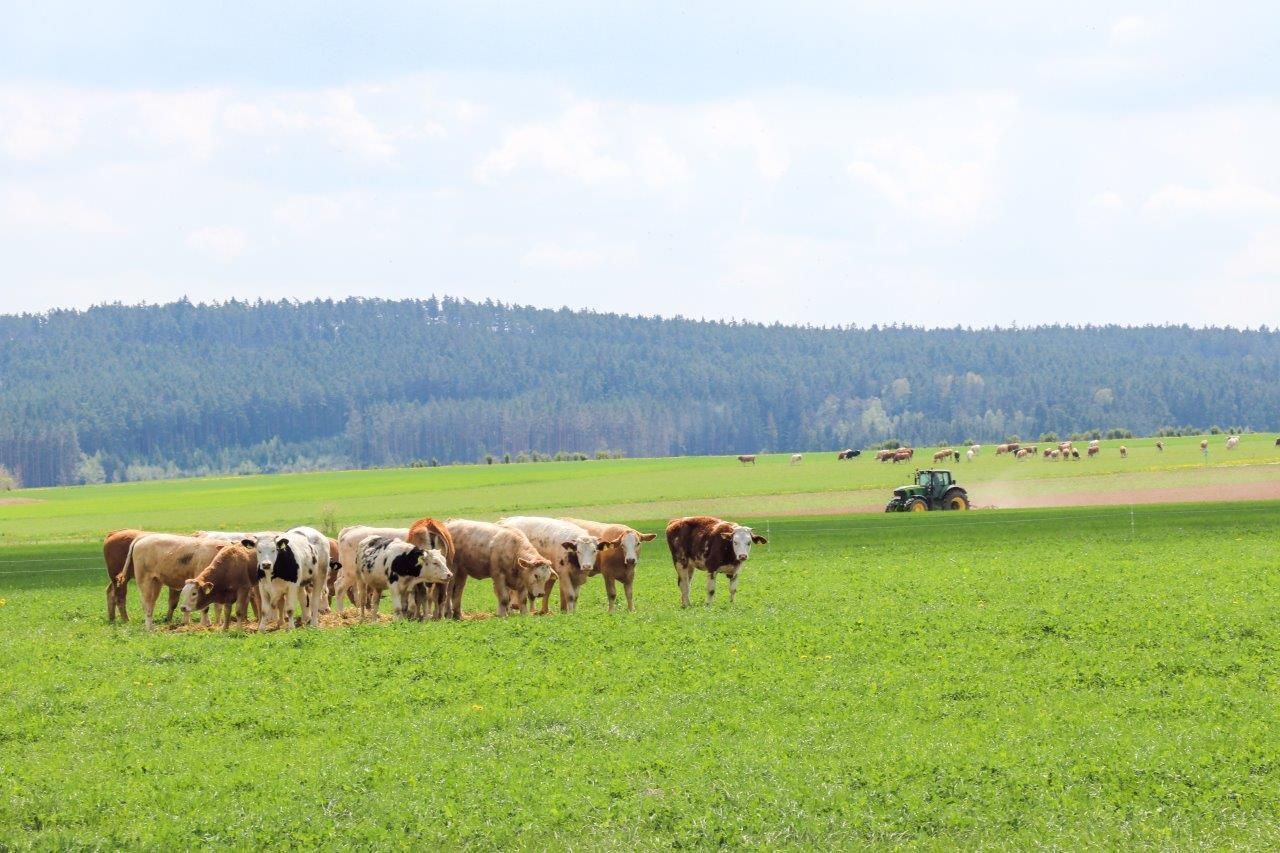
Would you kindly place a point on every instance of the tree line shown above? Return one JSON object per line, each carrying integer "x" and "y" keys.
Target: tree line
{"x": 121, "y": 392}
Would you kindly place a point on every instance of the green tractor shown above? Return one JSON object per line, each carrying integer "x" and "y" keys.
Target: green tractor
{"x": 933, "y": 489}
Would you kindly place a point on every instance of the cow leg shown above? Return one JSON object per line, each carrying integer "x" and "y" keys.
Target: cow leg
{"x": 564, "y": 593}
{"x": 149, "y": 591}
{"x": 111, "y": 600}
{"x": 626, "y": 588}
{"x": 611, "y": 590}
{"x": 683, "y": 576}
{"x": 122, "y": 598}
{"x": 341, "y": 589}
{"x": 317, "y": 601}
{"x": 546, "y": 593}
{"x": 733, "y": 586}
{"x": 503, "y": 594}
{"x": 174, "y": 594}
{"x": 398, "y": 603}
{"x": 267, "y": 609}
{"x": 711, "y": 587}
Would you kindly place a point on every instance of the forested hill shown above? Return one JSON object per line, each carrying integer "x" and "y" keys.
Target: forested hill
{"x": 127, "y": 392}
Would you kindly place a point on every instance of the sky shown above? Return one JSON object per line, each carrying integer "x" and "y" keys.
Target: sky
{"x": 934, "y": 164}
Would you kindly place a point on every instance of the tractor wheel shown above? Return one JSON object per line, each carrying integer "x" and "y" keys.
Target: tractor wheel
{"x": 955, "y": 499}
{"x": 917, "y": 505}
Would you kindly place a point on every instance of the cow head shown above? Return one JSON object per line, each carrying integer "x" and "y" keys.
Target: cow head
{"x": 586, "y": 547}
{"x": 537, "y": 574}
{"x": 268, "y": 552}
{"x": 432, "y": 567}
{"x": 630, "y": 545}
{"x": 194, "y": 595}
{"x": 741, "y": 537}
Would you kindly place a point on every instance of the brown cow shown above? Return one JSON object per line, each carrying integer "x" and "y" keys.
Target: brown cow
{"x": 1124, "y": 452}
{"x": 231, "y": 578}
{"x": 1092, "y": 451}
{"x": 1002, "y": 449}
{"x": 161, "y": 559}
{"x": 1023, "y": 453}
{"x": 710, "y": 544}
{"x": 1204, "y": 445}
{"x": 115, "y": 548}
{"x": 903, "y": 454}
{"x": 429, "y": 534}
{"x": 618, "y": 565}
{"x": 1048, "y": 451}
{"x": 503, "y": 554}
{"x": 1160, "y": 446}
{"x": 751, "y": 458}
{"x": 885, "y": 455}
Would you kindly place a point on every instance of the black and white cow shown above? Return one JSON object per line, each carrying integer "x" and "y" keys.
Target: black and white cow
{"x": 290, "y": 564}
{"x": 386, "y": 563}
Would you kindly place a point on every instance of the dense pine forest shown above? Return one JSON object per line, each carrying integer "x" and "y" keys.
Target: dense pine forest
{"x": 135, "y": 392}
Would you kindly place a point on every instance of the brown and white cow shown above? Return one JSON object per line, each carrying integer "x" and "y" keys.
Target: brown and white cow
{"x": 158, "y": 560}
{"x": 749, "y": 458}
{"x": 231, "y": 578}
{"x": 1204, "y": 444}
{"x": 712, "y": 545}
{"x": 502, "y": 554}
{"x": 618, "y": 565}
{"x": 571, "y": 550}
{"x": 1092, "y": 452}
{"x": 115, "y": 548}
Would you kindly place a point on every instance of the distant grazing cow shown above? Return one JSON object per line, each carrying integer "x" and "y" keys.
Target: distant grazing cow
{"x": 749, "y": 458}
{"x": 710, "y": 544}
{"x": 969, "y": 453}
{"x": 396, "y": 565}
{"x": 1092, "y": 451}
{"x": 1124, "y": 452}
{"x": 1278, "y": 442}
{"x": 885, "y": 455}
{"x": 1054, "y": 453}
{"x": 1075, "y": 454}
{"x": 977, "y": 449}
{"x": 160, "y": 559}
{"x": 618, "y": 565}
{"x": 1094, "y": 443}
{"x": 1160, "y": 446}
{"x": 1023, "y": 453}
{"x": 231, "y": 578}
{"x": 944, "y": 453}
{"x": 903, "y": 454}
{"x": 795, "y": 458}
{"x": 1002, "y": 449}
{"x": 503, "y": 554}
{"x": 1204, "y": 444}
{"x": 571, "y": 550}
{"x": 115, "y": 548}
{"x": 1232, "y": 441}
{"x": 848, "y": 454}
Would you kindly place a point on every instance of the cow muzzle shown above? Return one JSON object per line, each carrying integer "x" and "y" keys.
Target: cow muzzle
{"x": 630, "y": 564}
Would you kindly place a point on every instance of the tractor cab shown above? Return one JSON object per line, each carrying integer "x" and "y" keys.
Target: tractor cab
{"x": 934, "y": 482}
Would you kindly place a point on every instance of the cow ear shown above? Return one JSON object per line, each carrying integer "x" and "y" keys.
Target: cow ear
{"x": 758, "y": 539}
{"x": 524, "y": 564}
{"x": 249, "y": 543}
{"x": 569, "y": 545}
{"x": 726, "y": 534}
{"x": 648, "y": 537}
{"x": 207, "y": 587}
{"x": 335, "y": 565}
{"x": 282, "y": 544}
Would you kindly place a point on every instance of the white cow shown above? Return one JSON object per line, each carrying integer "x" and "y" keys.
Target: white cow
{"x": 969, "y": 454}
{"x": 349, "y": 540}
{"x": 796, "y": 458}
{"x": 975, "y": 449}
{"x": 288, "y": 563}
{"x": 571, "y": 550}
{"x": 388, "y": 563}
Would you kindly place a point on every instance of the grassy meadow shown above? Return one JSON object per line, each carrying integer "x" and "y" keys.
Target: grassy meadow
{"x": 1091, "y": 677}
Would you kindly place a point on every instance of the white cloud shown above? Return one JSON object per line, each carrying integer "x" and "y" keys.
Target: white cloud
{"x": 605, "y": 256}
{"x": 572, "y": 145}
{"x": 30, "y": 211}
{"x": 1134, "y": 28}
{"x": 1260, "y": 258}
{"x": 1108, "y": 201}
{"x": 221, "y": 242}
{"x": 304, "y": 214}
{"x": 1227, "y": 200}
{"x": 29, "y": 130}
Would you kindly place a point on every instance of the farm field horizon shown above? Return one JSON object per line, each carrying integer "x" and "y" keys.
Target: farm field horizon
{"x": 635, "y": 490}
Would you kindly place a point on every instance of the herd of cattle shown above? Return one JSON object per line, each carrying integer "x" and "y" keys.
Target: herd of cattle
{"x": 1062, "y": 450}
{"x": 424, "y": 567}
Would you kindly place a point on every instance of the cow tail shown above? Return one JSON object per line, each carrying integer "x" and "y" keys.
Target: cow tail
{"x": 126, "y": 573}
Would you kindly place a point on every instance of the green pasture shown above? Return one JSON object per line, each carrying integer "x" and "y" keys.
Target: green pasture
{"x": 628, "y": 488}
{"x": 1061, "y": 678}
{"x": 1100, "y": 677}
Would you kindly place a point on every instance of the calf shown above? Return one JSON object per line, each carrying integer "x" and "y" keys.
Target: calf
{"x": 748, "y": 458}
{"x": 163, "y": 560}
{"x": 502, "y": 554}
{"x": 394, "y": 564}
{"x": 349, "y": 539}
{"x": 710, "y": 544}
{"x": 231, "y": 578}
{"x": 571, "y": 550}
{"x": 618, "y": 565}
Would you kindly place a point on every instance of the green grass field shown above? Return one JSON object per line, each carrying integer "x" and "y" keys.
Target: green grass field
{"x": 1102, "y": 676}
